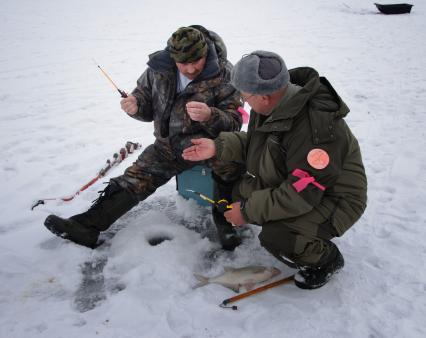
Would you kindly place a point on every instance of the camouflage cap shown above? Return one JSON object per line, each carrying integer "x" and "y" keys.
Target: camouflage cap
{"x": 187, "y": 44}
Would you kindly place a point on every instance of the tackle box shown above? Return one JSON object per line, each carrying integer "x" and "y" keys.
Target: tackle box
{"x": 199, "y": 179}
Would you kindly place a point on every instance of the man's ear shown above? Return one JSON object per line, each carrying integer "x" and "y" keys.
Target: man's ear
{"x": 265, "y": 99}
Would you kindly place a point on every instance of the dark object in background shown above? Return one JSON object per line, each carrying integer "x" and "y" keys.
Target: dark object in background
{"x": 394, "y": 8}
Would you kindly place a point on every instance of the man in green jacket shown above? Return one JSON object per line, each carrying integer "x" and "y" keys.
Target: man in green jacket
{"x": 186, "y": 92}
{"x": 305, "y": 181}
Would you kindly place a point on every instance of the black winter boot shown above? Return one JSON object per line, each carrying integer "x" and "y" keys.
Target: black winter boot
{"x": 227, "y": 234}
{"x": 84, "y": 229}
{"x": 315, "y": 277}
{"x": 228, "y": 237}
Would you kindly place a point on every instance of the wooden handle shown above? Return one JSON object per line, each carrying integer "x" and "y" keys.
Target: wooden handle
{"x": 257, "y": 290}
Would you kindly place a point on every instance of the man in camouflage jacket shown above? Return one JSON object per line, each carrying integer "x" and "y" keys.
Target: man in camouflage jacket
{"x": 305, "y": 181}
{"x": 186, "y": 92}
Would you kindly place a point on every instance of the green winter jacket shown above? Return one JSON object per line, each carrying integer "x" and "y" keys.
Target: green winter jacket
{"x": 276, "y": 145}
{"x": 158, "y": 101}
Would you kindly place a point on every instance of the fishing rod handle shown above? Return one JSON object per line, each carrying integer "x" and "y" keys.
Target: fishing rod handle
{"x": 122, "y": 93}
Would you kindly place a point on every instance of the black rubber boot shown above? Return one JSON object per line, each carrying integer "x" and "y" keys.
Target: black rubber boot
{"x": 228, "y": 236}
{"x": 314, "y": 277}
{"x": 84, "y": 229}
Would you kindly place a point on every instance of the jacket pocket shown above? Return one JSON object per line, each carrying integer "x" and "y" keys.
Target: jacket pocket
{"x": 272, "y": 167}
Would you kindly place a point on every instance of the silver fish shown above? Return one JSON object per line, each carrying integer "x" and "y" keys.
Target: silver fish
{"x": 234, "y": 278}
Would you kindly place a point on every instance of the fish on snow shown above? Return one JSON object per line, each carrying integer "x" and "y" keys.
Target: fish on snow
{"x": 234, "y": 278}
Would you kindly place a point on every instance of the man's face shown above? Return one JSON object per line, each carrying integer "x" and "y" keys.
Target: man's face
{"x": 191, "y": 69}
{"x": 259, "y": 103}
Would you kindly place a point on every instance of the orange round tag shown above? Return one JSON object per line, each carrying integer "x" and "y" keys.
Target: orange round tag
{"x": 318, "y": 158}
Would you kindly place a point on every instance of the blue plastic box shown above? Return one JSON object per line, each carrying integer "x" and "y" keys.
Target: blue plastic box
{"x": 199, "y": 179}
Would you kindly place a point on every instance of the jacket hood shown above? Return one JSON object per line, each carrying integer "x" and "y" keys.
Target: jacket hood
{"x": 316, "y": 93}
{"x": 319, "y": 91}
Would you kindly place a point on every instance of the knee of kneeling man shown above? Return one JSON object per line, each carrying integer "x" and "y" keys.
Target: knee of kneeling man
{"x": 274, "y": 240}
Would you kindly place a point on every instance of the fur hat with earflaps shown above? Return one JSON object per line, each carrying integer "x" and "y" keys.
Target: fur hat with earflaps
{"x": 260, "y": 73}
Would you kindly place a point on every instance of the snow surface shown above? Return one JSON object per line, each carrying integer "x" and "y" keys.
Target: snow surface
{"x": 60, "y": 121}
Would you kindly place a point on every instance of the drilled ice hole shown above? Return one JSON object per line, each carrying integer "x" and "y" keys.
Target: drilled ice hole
{"x": 154, "y": 240}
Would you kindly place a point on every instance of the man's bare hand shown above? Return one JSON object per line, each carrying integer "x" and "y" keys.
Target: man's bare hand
{"x": 234, "y": 215}
{"x": 198, "y": 111}
{"x": 129, "y": 105}
{"x": 202, "y": 149}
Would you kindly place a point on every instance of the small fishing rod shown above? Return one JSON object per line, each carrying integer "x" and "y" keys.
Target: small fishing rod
{"x": 117, "y": 158}
{"x": 222, "y": 205}
{"x": 122, "y": 92}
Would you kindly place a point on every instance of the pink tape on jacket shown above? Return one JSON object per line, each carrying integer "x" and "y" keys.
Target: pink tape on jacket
{"x": 244, "y": 114}
{"x": 304, "y": 180}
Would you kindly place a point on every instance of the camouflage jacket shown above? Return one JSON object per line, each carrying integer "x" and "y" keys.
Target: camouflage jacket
{"x": 275, "y": 150}
{"x": 159, "y": 102}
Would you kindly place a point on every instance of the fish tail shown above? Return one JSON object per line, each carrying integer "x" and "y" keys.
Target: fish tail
{"x": 201, "y": 281}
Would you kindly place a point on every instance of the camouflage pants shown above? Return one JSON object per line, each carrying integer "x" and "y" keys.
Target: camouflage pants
{"x": 301, "y": 241}
{"x": 157, "y": 164}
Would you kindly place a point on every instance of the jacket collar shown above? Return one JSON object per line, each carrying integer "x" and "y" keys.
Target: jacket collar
{"x": 289, "y": 106}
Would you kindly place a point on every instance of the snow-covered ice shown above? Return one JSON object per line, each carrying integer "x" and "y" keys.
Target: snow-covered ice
{"x": 60, "y": 121}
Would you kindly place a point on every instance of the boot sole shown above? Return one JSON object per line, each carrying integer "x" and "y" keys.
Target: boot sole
{"x": 58, "y": 227}
{"x": 50, "y": 223}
